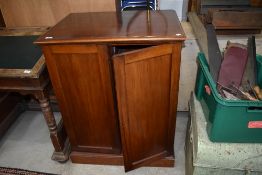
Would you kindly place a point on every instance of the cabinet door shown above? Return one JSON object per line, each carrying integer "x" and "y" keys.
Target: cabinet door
{"x": 147, "y": 87}
{"x": 81, "y": 78}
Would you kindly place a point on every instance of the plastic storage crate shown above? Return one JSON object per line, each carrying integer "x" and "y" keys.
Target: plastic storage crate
{"x": 237, "y": 121}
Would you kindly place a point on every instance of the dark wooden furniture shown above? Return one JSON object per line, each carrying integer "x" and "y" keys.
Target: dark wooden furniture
{"x": 23, "y": 70}
{"x": 2, "y": 21}
{"x": 116, "y": 78}
{"x": 226, "y": 19}
{"x": 202, "y": 6}
{"x": 10, "y": 109}
{"x": 256, "y": 3}
{"x": 229, "y": 17}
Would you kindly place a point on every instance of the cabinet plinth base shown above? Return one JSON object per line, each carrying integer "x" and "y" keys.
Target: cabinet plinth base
{"x": 96, "y": 158}
{"x": 114, "y": 159}
{"x": 165, "y": 162}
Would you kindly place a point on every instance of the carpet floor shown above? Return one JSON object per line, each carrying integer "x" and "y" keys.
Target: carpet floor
{"x": 16, "y": 171}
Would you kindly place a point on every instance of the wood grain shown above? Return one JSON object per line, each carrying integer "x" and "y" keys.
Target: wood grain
{"x": 35, "y": 83}
{"x": 207, "y": 40}
{"x": 200, "y": 32}
{"x": 215, "y": 56}
{"x": 20, "y": 73}
{"x": 48, "y": 12}
{"x": 246, "y": 19}
{"x": 128, "y": 27}
{"x": 78, "y": 57}
{"x": 96, "y": 158}
{"x": 9, "y": 111}
{"x": 86, "y": 82}
{"x": 256, "y": 3}
{"x": 23, "y": 31}
{"x": 250, "y": 73}
{"x": 2, "y": 21}
{"x": 38, "y": 88}
{"x": 146, "y": 103}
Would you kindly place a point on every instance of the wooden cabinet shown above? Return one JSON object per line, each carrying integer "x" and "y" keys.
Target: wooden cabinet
{"x": 10, "y": 109}
{"x": 117, "y": 85}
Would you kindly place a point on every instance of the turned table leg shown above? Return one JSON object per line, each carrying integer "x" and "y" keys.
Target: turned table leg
{"x": 57, "y": 132}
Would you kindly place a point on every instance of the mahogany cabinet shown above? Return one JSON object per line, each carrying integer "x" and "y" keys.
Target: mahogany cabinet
{"x": 116, "y": 79}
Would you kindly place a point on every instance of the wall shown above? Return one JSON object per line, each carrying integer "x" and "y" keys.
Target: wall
{"x": 180, "y": 6}
{"x": 22, "y": 13}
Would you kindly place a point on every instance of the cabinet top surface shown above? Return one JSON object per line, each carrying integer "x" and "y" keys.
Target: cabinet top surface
{"x": 113, "y": 27}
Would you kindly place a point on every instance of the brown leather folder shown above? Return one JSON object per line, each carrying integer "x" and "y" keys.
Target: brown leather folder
{"x": 233, "y": 65}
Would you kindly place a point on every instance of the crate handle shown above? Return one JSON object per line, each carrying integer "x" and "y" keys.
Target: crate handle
{"x": 254, "y": 109}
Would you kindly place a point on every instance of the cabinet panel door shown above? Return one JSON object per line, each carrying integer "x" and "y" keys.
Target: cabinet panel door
{"x": 147, "y": 86}
{"x": 81, "y": 78}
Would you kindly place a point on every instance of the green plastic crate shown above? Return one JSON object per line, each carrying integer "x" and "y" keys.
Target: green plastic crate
{"x": 259, "y": 70}
{"x": 236, "y": 121}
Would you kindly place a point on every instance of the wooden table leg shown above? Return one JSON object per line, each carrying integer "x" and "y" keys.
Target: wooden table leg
{"x": 57, "y": 132}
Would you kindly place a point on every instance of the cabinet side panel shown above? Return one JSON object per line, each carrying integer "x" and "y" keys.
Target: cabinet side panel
{"x": 174, "y": 89}
{"x": 33, "y": 13}
{"x": 56, "y": 83}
